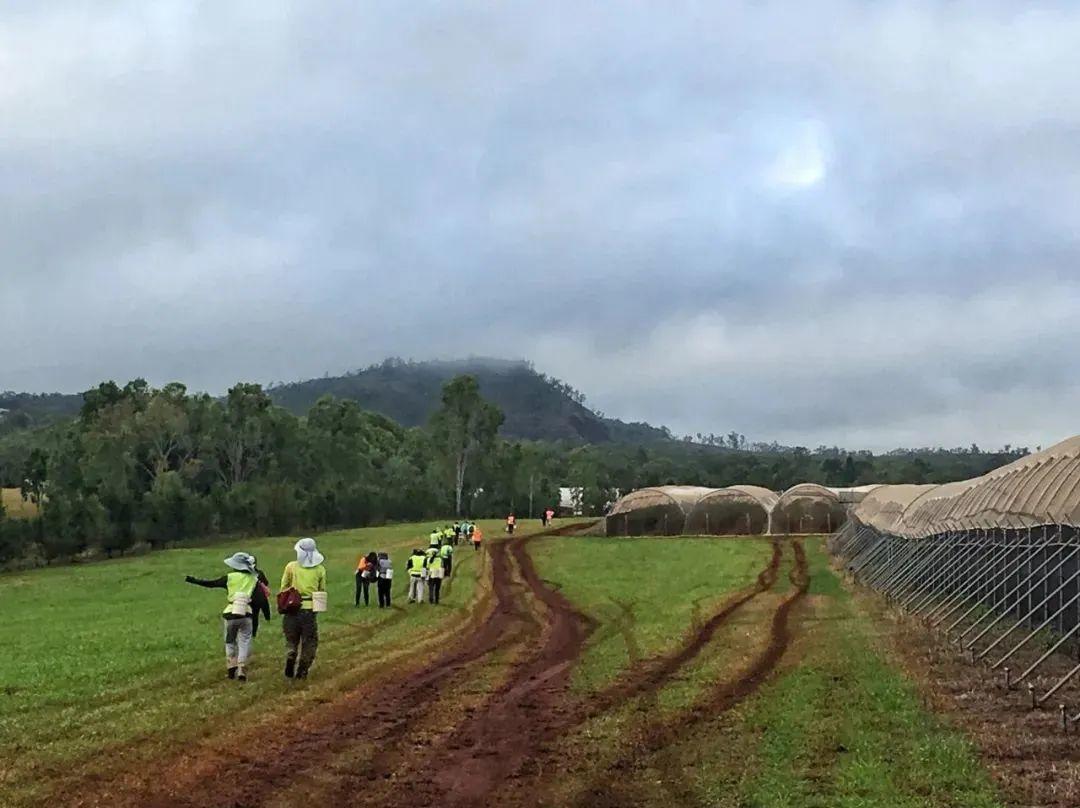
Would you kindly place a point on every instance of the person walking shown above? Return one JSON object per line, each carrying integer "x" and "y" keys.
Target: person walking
{"x": 477, "y": 537}
{"x": 260, "y": 600}
{"x": 435, "y": 572}
{"x": 511, "y": 522}
{"x": 434, "y": 537}
{"x": 306, "y": 575}
{"x": 385, "y": 580}
{"x": 240, "y": 586}
{"x": 549, "y": 515}
{"x": 446, "y": 552}
{"x": 366, "y": 569}
{"x": 416, "y": 570}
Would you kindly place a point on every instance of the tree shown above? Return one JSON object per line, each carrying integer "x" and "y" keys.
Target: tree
{"x": 464, "y": 426}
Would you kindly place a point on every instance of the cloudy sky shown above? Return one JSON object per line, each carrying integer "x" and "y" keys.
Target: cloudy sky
{"x": 824, "y": 222}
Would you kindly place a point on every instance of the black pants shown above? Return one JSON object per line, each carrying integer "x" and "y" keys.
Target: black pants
{"x": 384, "y": 592}
{"x": 434, "y": 586}
{"x": 301, "y": 638}
{"x": 449, "y": 562}
{"x": 362, "y": 586}
{"x": 476, "y": 545}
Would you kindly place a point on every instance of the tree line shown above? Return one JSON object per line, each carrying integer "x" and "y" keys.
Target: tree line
{"x": 145, "y": 468}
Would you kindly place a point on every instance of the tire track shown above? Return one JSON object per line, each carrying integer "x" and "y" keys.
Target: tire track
{"x": 493, "y": 742}
{"x": 212, "y": 777}
{"x": 646, "y": 681}
{"x": 611, "y": 788}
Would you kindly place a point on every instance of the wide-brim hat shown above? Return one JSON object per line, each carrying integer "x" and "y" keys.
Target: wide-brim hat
{"x": 307, "y": 554}
{"x": 241, "y": 562}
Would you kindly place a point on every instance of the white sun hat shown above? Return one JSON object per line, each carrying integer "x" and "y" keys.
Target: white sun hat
{"x": 241, "y": 562}
{"x": 307, "y": 554}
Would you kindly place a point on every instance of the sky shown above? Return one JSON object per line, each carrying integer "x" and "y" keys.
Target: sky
{"x": 826, "y": 222}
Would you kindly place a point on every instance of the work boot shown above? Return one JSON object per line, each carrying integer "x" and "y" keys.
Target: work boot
{"x": 241, "y": 675}
{"x": 232, "y": 673}
{"x": 290, "y": 667}
{"x": 301, "y": 672}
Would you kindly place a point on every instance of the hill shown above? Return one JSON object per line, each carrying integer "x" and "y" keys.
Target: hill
{"x": 536, "y": 407}
{"x": 28, "y": 410}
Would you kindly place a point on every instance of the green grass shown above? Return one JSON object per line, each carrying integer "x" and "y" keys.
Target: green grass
{"x": 644, "y": 593}
{"x": 99, "y": 655}
{"x": 845, "y": 728}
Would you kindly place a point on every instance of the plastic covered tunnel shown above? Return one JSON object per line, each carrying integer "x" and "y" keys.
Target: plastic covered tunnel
{"x": 809, "y": 508}
{"x": 691, "y": 510}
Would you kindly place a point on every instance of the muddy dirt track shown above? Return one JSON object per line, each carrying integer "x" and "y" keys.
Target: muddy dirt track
{"x": 498, "y": 753}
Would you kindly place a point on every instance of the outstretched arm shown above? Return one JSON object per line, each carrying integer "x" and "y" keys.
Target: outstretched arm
{"x": 210, "y": 583}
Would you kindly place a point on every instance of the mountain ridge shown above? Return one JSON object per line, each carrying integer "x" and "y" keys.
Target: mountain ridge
{"x": 536, "y": 406}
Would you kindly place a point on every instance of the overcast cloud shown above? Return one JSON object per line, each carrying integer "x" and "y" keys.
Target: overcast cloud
{"x": 830, "y": 222}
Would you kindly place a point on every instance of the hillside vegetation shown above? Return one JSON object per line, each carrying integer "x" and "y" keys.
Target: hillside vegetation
{"x": 535, "y": 406}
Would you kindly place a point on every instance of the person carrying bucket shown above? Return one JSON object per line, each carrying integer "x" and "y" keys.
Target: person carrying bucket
{"x": 240, "y": 586}
{"x": 446, "y": 552}
{"x": 307, "y": 576}
{"x": 417, "y": 570}
{"x": 435, "y": 572}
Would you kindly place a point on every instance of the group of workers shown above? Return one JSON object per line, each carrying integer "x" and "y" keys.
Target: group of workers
{"x": 247, "y": 594}
{"x": 303, "y": 593}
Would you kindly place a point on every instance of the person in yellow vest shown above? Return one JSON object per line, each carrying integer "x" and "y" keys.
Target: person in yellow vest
{"x": 417, "y": 569}
{"x": 240, "y": 586}
{"x": 447, "y": 553}
{"x": 435, "y": 571}
{"x": 306, "y": 575}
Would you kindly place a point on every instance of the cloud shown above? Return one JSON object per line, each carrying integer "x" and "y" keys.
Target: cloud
{"x": 835, "y": 222}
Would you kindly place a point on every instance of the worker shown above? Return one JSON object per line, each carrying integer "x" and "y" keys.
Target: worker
{"x": 435, "y": 572}
{"x": 549, "y": 515}
{"x": 477, "y": 537}
{"x": 417, "y": 573}
{"x": 446, "y": 552}
{"x": 306, "y": 575}
{"x": 385, "y": 580}
{"x": 434, "y": 537}
{"x": 260, "y": 600}
{"x": 366, "y": 567}
{"x": 447, "y": 535}
{"x": 240, "y": 586}
{"x": 511, "y": 521}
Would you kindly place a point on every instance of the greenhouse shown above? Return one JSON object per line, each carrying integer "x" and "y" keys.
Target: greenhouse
{"x": 808, "y": 508}
{"x": 992, "y": 562}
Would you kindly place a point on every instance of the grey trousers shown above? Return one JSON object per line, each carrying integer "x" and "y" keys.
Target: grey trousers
{"x": 416, "y": 588}
{"x": 237, "y": 641}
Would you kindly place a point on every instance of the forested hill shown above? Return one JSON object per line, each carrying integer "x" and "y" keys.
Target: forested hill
{"x": 536, "y": 407}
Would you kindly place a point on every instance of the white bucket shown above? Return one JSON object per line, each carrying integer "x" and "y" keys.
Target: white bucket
{"x": 318, "y": 601}
{"x": 241, "y": 604}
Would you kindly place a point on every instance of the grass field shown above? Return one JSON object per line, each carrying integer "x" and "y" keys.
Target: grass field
{"x": 15, "y": 506}
{"x": 100, "y": 655}
{"x": 725, "y": 672}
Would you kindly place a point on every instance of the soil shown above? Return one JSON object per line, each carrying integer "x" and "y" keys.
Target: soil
{"x": 499, "y": 751}
{"x": 616, "y": 786}
{"x": 1034, "y": 760}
